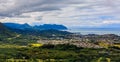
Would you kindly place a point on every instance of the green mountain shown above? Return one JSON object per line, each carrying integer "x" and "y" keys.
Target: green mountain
{"x": 4, "y": 31}
{"x": 39, "y": 27}
{"x": 24, "y": 37}
{"x": 53, "y": 33}
{"x": 8, "y": 36}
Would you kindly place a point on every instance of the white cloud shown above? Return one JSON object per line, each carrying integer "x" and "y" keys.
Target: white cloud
{"x": 111, "y": 22}
{"x": 68, "y": 12}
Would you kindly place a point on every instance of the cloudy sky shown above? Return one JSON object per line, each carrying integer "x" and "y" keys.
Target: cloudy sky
{"x": 71, "y": 13}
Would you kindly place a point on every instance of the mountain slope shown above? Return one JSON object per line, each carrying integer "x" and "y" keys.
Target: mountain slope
{"x": 11, "y": 36}
{"x": 4, "y": 31}
{"x": 17, "y": 26}
{"x": 40, "y": 27}
{"x": 52, "y": 32}
{"x": 50, "y": 26}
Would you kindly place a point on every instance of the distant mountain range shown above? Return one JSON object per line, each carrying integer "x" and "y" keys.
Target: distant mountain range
{"x": 10, "y": 31}
{"x": 26, "y": 29}
{"x": 40, "y": 27}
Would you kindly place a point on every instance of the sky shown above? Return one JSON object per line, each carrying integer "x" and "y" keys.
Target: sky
{"x": 71, "y": 13}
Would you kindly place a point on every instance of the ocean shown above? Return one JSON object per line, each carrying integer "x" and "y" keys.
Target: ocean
{"x": 99, "y": 31}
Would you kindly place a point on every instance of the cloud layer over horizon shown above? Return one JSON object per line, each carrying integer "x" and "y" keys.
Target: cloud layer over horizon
{"x": 71, "y": 13}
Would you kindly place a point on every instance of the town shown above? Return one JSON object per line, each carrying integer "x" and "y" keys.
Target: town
{"x": 86, "y": 41}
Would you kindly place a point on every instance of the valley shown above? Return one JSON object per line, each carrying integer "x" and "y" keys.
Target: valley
{"x": 53, "y": 45}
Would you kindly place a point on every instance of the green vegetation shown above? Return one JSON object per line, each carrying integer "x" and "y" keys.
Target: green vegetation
{"x": 23, "y": 47}
{"x": 60, "y": 53}
{"x": 19, "y": 39}
{"x": 7, "y": 36}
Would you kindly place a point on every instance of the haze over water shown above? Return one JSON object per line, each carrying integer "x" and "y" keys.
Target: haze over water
{"x": 99, "y": 31}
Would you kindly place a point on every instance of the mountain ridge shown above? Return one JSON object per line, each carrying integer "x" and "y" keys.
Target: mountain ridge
{"x": 39, "y": 27}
